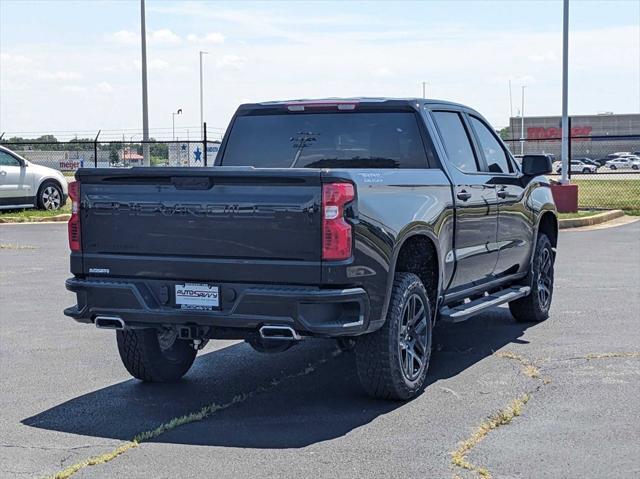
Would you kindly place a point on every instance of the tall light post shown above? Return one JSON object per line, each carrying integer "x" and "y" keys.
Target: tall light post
{"x": 201, "y": 98}
{"x": 565, "y": 85}
{"x": 173, "y": 122}
{"x": 145, "y": 103}
{"x": 424, "y": 90}
{"x": 522, "y": 122}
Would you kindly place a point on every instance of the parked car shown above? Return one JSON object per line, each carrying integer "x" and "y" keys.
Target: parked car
{"x": 618, "y": 154}
{"x": 364, "y": 220}
{"x": 578, "y": 166}
{"x": 624, "y": 163}
{"x": 588, "y": 161}
{"x": 27, "y": 185}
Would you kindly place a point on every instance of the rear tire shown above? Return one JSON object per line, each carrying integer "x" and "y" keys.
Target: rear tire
{"x": 50, "y": 196}
{"x": 152, "y": 357}
{"x": 534, "y": 308}
{"x": 392, "y": 362}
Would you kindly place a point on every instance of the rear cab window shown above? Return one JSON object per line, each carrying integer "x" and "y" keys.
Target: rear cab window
{"x": 387, "y": 139}
{"x": 456, "y": 141}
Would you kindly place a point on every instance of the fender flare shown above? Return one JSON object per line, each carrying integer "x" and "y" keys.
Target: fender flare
{"x": 416, "y": 230}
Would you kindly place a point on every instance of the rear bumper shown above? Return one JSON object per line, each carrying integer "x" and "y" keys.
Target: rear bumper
{"x": 243, "y": 307}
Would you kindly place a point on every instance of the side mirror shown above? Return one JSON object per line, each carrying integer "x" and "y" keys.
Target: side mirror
{"x": 534, "y": 165}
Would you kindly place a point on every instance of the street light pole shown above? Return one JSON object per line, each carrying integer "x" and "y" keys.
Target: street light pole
{"x": 145, "y": 104}
{"x": 201, "y": 99}
{"x": 173, "y": 123}
{"x": 565, "y": 85}
{"x": 522, "y": 122}
{"x": 424, "y": 90}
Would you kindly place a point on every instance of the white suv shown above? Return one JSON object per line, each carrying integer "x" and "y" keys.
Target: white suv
{"x": 578, "y": 166}
{"x": 624, "y": 162}
{"x": 25, "y": 185}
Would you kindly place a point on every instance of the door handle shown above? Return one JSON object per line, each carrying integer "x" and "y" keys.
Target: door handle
{"x": 502, "y": 193}
{"x": 463, "y": 195}
{"x": 3, "y": 173}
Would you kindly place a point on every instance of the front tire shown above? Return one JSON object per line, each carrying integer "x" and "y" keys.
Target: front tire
{"x": 534, "y": 308}
{"x": 392, "y": 362}
{"x": 50, "y": 196}
{"x": 153, "y": 355}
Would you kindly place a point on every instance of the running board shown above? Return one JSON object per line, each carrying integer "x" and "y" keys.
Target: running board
{"x": 466, "y": 310}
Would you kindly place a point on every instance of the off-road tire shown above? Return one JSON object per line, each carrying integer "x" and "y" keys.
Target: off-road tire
{"x": 531, "y": 309}
{"x": 378, "y": 356}
{"x": 144, "y": 359}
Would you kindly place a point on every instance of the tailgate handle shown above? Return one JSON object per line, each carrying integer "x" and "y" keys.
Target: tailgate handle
{"x": 191, "y": 182}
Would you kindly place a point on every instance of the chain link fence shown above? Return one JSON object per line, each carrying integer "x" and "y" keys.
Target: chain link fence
{"x": 69, "y": 156}
{"x": 605, "y": 168}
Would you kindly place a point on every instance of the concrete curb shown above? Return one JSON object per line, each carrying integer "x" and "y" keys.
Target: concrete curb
{"x": 38, "y": 219}
{"x": 590, "y": 220}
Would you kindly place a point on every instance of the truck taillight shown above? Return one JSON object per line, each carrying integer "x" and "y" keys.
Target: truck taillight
{"x": 74, "y": 222}
{"x": 336, "y": 232}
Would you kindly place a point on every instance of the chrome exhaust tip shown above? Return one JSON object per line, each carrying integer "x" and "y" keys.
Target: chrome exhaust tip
{"x": 285, "y": 333}
{"x": 109, "y": 322}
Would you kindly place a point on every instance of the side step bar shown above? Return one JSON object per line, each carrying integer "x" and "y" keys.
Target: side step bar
{"x": 465, "y": 311}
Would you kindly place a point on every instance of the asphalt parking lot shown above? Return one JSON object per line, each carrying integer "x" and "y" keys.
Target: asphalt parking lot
{"x": 505, "y": 400}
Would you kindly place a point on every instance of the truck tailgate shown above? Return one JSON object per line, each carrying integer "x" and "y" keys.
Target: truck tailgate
{"x": 210, "y": 224}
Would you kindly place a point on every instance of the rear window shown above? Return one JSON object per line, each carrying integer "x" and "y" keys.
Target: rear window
{"x": 326, "y": 140}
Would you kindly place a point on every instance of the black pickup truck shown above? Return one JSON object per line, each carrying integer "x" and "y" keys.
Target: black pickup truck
{"x": 363, "y": 220}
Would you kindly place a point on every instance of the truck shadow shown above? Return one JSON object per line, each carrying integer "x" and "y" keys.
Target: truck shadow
{"x": 289, "y": 406}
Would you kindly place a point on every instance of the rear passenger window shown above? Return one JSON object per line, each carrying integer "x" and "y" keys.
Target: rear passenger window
{"x": 456, "y": 141}
{"x": 494, "y": 154}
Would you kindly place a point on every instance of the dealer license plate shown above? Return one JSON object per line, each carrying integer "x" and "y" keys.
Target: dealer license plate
{"x": 198, "y": 296}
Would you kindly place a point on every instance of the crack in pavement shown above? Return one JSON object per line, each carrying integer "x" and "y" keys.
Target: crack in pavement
{"x": 49, "y": 448}
{"x": 176, "y": 422}
{"x": 459, "y": 457}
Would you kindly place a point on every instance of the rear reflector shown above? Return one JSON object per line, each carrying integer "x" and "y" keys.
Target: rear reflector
{"x": 336, "y": 231}
{"x": 75, "y": 243}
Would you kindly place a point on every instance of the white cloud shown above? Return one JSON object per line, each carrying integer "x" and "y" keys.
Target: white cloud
{"x": 152, "y": 65}
{"x": 231, "y": 61}
{"x": 164, "y": 36}
{"x": 57, "y": 75}
{"x": 382, "y": 72}
{"x": 104, "y": 87}
{"x": 544, "y": 57}
{"x": 74, "y": 88}
{"x": 211, "y": 37}
{"x": 125, "y": 37}
{"x": 10, "y": 61}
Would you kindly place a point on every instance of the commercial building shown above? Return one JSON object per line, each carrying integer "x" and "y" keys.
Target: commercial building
{"x": 592, "y": 135}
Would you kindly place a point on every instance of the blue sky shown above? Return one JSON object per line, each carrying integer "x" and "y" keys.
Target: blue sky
{"x": 75, "y": 66}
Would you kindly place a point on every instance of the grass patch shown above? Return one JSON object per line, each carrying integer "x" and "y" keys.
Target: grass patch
{"x": 15, "y": 246}
{"x": 609, "y": 194}
{"x": 501, "y": 418}
{"x": 579, "y": 214}
{"x": 528, "y": 368}
{"x": 31, "y": 213}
